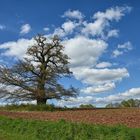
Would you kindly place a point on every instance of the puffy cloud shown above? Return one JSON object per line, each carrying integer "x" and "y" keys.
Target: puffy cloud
{"x": 126, "y": 46}
{"x": 99, "y": 80}
{"x": 84, "y": 51}
{"x": 60, "y": 32}
{"x": 102, "y": 21}
{"x": 75, "y": 101}
{"x": 94, "y": 28}
{"x": 25, "y": 29}
{"x": 81, "y": 44}
{"x": 16, "y": 48}
{"x": 113, "y": 33}
{"x": 103, "y": 65}
{"x": 131, "y": 93}
{"x": 74, "y": 14}
{"x": 93, "y": 76}
{"x": 68, "y": 26}
{"x": 115, "y": 13}
{"x": 99, "y": 88}
{"x": 116, "y": 53}
{"x": 121, "y": 48}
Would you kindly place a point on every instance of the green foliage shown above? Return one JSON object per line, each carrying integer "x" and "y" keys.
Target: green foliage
{"x": 18, "y": 129}
{"x": 131, "y": 103}
{"x": 125, "y": 103}
{"x": 34, "y": 107}
{"x": 29, "y": 107}
{"x": 86, "y": 106}
{"x": 115, "y": 105}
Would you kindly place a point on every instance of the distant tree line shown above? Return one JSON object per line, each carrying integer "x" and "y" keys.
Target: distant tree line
{"x": 125, "y": 103}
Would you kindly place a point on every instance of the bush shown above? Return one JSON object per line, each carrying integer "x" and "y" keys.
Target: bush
{"x": 125, "y": 103}
{"x": 28, "y": 107}
{"x": 86, "y": 106}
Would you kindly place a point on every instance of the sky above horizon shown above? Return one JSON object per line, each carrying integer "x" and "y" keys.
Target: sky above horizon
{"x": 100, "y": 36}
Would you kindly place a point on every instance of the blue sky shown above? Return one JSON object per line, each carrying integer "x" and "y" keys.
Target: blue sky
{"x": 100, "y": 36}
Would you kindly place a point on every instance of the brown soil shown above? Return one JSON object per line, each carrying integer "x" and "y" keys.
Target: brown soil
{"x": 129, "y": 117}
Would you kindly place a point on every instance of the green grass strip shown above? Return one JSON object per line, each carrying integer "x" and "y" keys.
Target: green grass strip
{"x": 20, "y": 129}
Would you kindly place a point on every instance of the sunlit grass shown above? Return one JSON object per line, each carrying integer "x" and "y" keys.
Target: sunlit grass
{"x": 19, "y": 129}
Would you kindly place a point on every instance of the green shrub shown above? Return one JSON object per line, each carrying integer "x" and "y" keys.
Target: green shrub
{"x": 28, "y": 107}
{"x": 86, "y": 106}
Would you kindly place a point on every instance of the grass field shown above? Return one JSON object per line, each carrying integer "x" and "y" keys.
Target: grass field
{"x": 20, "y": 129}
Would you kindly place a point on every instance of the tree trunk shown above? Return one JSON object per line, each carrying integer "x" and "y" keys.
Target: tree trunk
{"x": 41, "y": 101}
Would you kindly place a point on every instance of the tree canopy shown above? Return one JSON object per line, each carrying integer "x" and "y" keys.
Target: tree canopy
{"x": 36, "y": 76}
{"x": 87, "y": 106}
{"x": 125, "y": 103}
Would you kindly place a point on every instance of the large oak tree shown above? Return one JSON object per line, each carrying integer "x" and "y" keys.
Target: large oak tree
{"x": 36, "y": 76}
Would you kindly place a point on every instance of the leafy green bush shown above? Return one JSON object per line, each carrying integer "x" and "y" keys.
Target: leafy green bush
{"x": 125, "y": 103}
{"x": 86, "y": 106}
{"x": 28, "y": 107}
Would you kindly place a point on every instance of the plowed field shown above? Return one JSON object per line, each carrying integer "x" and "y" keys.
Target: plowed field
{"x": 129, "y": 117}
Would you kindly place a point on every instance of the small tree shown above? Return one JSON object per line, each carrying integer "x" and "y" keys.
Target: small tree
{"x": 86, "y": 106}
{"x": 36, "y": 76}
{"x": 125, "y": 103}
{"x": 113, "y": 105}
{"x": 128, "y": 103}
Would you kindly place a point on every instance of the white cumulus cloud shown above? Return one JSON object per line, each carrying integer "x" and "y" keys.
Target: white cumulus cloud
{"x": 102, "y": 21}
{"x": 94, "y": 28}
{"x": 126, "y": 46}
{"x": 25, "y": 29}
{"x": 103, "y": 65}
{"x": 131, "y": 93}
{"x": 115, "y": 13}
{"x": 93, "y": 76}
{"x": 68, "y": 26}
{"x": 17, "y": 48}
{"x": 113, "y": 33}
{"x": 99, "y": 88}
{"x": 122, "y": 48}
{"x": 84, "y": 51}
{"x": 74, "y": 14}
{"x": 116, "y": 53}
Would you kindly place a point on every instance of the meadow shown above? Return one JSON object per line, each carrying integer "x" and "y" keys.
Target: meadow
{"x": 21, "y": 129}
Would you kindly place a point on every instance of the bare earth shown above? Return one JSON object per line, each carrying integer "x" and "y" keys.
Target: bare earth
{"x": 129, "y": 117}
